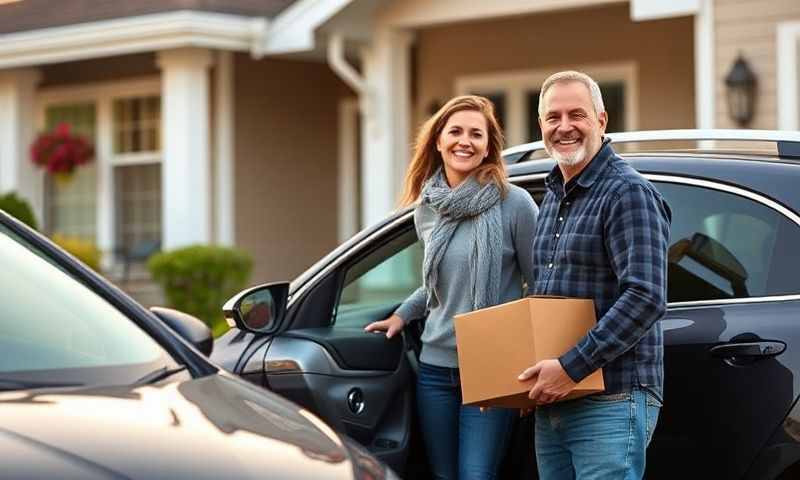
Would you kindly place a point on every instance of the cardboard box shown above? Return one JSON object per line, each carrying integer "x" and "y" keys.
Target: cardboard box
{"x": 498, "y": 343}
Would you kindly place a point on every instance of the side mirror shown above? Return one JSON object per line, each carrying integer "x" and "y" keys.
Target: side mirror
{"x": 190, "y": 328}
{"x": 258, "y": 309}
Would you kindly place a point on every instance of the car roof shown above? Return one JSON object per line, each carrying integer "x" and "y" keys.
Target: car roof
{"x": 771, "y": 175}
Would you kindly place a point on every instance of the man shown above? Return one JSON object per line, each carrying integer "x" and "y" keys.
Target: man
{"x": 603, "y": 234}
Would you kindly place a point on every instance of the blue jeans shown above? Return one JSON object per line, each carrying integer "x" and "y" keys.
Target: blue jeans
{"x": 596, "y": 437}
{"x": 462, "y": 443}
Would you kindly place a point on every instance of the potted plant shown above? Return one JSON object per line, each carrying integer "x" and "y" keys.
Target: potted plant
{"x": 60, "y": 151}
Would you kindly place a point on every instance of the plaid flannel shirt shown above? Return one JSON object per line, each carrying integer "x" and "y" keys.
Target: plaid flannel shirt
{"x": 605, "y": 237}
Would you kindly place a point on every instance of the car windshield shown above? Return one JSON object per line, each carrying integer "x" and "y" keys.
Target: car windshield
{"x": 55, "y": 331}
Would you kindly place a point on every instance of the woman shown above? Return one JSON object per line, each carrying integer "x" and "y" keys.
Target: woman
{"x": 477, "y": 230}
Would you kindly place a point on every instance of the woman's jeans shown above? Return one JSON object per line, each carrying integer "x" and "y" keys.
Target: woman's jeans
{"x": 596, "y": 437}
{"x": 462, "y": 443}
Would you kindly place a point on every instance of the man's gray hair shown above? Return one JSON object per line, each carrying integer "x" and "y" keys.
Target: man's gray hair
{"x": 573, "y": 76}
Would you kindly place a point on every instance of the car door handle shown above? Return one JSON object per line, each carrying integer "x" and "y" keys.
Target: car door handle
{"x": 748, "y": 350}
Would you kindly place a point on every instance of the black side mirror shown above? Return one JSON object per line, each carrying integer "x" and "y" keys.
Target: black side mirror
{"x": 190, "y": 328}
{"x": 258, "y": 309}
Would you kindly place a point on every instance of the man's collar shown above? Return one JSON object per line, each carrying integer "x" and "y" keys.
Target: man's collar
{"x": 590, "y": 173}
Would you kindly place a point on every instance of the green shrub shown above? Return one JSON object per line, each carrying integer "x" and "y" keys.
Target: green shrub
{"x": 18, "y": 208}
{"x": 199, "y": 279}
{"x": 83, "y": 250}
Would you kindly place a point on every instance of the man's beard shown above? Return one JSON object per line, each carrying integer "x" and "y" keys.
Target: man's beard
{"x": 570, "y": 159}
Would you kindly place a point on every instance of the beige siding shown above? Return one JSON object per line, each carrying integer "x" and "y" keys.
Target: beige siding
{"x": 662, "y": 50}
{"x": 285, "y": 164}
{"x": 749, "y": 27}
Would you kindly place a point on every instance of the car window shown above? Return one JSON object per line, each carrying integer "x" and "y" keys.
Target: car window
{"x": 725, "y": 246}
{"x": 52, "y": 322}
{"x": 383, "y": 278}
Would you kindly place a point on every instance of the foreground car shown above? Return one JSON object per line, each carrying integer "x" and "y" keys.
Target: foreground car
{"x": 93, "y": 386}
{"x": 732, "y": 337}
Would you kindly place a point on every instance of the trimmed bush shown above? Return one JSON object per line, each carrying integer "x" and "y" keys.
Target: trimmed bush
{"x": 200, "y": 278}
{"x": 18, "y": 208}
{"x": 83, "y": 250}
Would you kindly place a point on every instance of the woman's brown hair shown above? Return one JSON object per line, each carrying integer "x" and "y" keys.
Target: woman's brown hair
{"x": 427, "y": 159}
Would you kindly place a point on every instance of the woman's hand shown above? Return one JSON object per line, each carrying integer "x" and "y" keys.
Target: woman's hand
{"x": 391, "y": 326}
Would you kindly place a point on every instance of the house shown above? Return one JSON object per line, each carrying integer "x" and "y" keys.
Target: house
{"x": 284, "y": 126}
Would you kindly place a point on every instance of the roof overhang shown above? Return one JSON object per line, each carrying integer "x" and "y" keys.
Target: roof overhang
{"x": 294, "y": 30}
{"x": 132, "y": 35}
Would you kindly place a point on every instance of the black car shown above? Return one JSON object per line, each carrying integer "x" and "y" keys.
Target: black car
{"x": 93, "y": 386}
{"x": 732, "y": 332}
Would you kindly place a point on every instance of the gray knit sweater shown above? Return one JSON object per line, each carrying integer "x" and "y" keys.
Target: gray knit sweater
{"x": 519, "y": 214}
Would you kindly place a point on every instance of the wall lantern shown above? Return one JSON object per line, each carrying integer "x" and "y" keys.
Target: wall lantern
{"x": 741, "y": 93}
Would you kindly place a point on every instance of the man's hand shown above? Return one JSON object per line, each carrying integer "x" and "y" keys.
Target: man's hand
{"x": 391, "y": 326}
{"x": 552, "y": 383}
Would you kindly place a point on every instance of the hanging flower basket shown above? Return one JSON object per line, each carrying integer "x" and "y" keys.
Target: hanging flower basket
{"x": 60, "y": 152}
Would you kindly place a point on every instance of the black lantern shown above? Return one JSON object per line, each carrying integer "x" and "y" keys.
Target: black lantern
{"x": 741, "y": 83}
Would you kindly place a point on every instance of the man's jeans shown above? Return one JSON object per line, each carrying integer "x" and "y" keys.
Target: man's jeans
{"x": 596, "y": 437}
{"x": 462, "y": 443}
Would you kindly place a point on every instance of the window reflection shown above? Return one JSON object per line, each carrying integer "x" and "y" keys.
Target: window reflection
{"x": 724, "y": 246}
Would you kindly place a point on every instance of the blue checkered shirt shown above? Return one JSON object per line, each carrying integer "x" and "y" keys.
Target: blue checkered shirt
{"x": 605, "y": 237}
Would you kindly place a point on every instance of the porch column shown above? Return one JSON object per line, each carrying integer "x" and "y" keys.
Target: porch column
{"x": 17, "y": 129}
{"x": 385, "y": 131}
{"x": 186, "y": 169}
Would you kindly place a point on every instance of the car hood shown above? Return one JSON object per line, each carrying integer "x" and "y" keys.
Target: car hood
{"x": 211, "y": 427}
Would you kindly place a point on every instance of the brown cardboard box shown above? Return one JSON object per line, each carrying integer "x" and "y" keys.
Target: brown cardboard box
{"x": 498, "y": 343}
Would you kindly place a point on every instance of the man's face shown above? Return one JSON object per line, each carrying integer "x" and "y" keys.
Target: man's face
{"x": 571, "y": 130}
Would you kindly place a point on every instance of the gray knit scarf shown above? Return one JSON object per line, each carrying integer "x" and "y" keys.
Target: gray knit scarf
{"x": 479, "y": 205}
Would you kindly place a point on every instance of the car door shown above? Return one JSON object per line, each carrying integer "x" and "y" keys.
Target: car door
{"x": 359, "y": 383}
{"x": 732, "y": 343}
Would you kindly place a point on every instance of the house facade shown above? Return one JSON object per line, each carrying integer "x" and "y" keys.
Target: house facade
{"x": 284, "y": 126}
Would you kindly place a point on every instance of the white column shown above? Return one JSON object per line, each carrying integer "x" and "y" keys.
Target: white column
{"x": 704, "y": 77}
{"x": 186, "y": 169}
{"x": 17, "y": 130}
{"x": 348, "y": 169}
{"x": 385, "y": 131}
{"x": 386, "y": 141}
{"x": 104, "y": 150}
{"x": 224, "y": 151}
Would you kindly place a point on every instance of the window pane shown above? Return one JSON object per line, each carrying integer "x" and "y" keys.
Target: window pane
{"x": 138, "y": 207}
{"x": 71, "y": 203}
{"x": 499, "y": 101}
{"x": 137, "y": 124}
{"x": 385, "y": 277}
{"x": 614, "y": 100}
{"x": 534, "y": 132}
{"x": 726, "y": 246}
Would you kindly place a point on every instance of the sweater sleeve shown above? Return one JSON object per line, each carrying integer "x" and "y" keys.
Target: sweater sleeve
{"x": 414, "y": 306}
{"x": 524, "y": 228}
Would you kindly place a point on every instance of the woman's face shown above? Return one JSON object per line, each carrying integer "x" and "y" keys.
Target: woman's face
{"x": 463, "y": 143}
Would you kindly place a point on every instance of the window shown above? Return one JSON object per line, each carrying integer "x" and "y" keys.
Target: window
{"x": 613, "y": 100}
{"x": 71, "y": 204}
{"x": 516, "y": 97}
{"x": 115, "y": 201}
{"x": 383, "y": 278}
{"x": 137, "y": 125}
{"x": 137, "y": 175}
{"x": 55, "y": 327}
{"x": 724, "y": 246}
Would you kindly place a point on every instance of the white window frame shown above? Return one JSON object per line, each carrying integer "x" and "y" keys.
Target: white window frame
{"x": 515, "y": 84}
{"x": 103, "y": 95}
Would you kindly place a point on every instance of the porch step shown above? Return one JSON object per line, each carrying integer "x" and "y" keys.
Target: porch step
{"x": 139, "y": 285}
